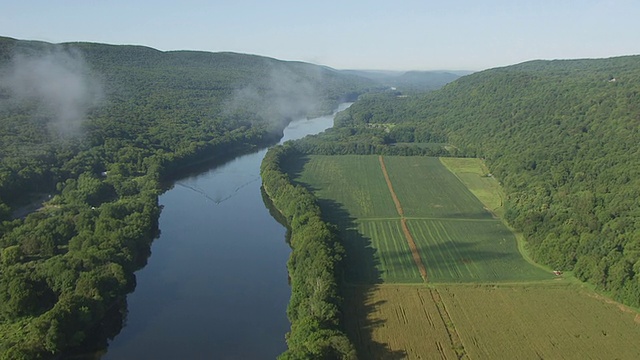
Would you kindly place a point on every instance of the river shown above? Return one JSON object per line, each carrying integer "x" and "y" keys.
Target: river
{"x": 215, "y": 286}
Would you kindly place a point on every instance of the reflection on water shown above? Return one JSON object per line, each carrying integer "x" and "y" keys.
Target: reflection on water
{"x": 216, "y": 285}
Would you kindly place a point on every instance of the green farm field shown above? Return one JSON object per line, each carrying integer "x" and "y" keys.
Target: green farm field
{"x": 457, "y": 238}
{"x": 476, "y": 177}
{"x": 455, "y": 250}
{"x": 392, "y": 263}
{"x": 482, "y": 299}
{"x": 427, "y": 189}
{"x": 351, "y": 182}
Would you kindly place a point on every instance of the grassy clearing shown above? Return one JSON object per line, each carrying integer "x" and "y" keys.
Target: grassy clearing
{"x": 471, "y": 251}
{"x": 427, "y": 189}
{"x": 476, "y": 177}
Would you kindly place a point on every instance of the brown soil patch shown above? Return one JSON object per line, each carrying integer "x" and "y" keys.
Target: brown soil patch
{"x": 405, "y": 229}
{"x": 414, "y": 250}
{"x": 393, "y": 193}
{"x": 454, "y": 336}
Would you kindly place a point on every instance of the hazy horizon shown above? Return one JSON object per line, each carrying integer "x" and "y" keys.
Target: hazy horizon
{"x": 460, "y": 35}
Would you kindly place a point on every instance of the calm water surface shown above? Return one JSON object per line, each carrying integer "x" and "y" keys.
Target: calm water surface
{"x": 215, "y": 286}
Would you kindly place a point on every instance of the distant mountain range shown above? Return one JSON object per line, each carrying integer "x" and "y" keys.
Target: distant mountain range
{"x": 410, "y": 80}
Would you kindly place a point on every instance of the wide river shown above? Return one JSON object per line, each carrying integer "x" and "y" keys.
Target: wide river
{"x": 215, "y": 286}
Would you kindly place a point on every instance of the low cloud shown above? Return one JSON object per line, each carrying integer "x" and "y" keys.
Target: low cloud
{"x": 282, "y": 96}
{"x": 58, "y": 84}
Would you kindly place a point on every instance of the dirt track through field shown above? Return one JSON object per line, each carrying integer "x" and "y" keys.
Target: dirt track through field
{"x": 454, "y": 336}
{"x": 405, "y": 229}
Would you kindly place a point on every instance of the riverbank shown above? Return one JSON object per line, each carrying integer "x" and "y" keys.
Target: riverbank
{"x": 214, "y": 285}
{"x": 314, "y": 267}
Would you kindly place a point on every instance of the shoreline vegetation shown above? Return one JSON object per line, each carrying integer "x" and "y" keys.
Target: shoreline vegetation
{"x": 65, "y": 269}
{"x": 115, "y": 219}
{"x": 315, "y": 308}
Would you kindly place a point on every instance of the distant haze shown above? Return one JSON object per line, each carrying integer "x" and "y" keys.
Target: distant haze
{"x": 372, "y": 34}
{"x": 284, "y": 96}
{"x": 57, "y": 84}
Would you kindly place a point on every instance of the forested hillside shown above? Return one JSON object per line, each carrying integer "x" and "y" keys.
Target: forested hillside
{"x": 562, "y": 136}
{"x": 93, "y": 129}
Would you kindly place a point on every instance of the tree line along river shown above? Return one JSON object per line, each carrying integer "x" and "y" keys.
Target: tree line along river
{"x": 215, "y": 286}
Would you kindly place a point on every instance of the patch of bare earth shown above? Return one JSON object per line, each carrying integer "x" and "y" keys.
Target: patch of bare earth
{"x": 405, "y": 229}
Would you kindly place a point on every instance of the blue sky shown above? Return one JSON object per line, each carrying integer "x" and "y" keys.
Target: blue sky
{"x": 393, "y": 35}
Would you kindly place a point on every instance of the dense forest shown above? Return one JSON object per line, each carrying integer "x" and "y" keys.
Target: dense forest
{"x": 87, "y": 133}
{"x": 562, "y": 136}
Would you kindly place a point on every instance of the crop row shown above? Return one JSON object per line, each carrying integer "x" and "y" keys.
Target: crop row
{"x": 349, "y": 183}
{"x": 541, "y": 322}
{"x": 396, "y": 322}
{"x": 550, "y": 321}
{"x": 426, "y": 188}
{"x": 457, "y": 239}
{"x": 471, "y": 251}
